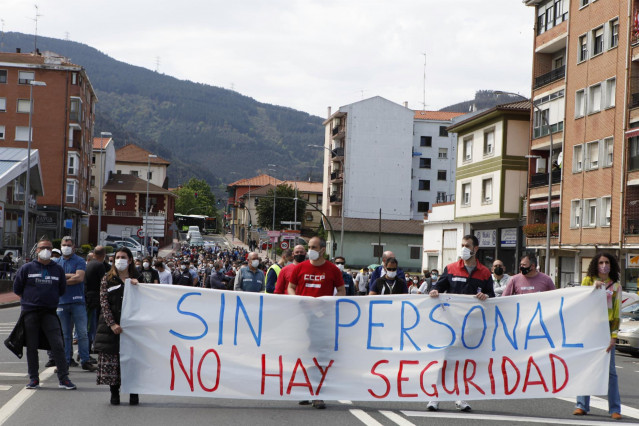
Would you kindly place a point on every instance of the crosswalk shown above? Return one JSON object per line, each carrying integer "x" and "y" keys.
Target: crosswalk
{"x": 6, "y": 328}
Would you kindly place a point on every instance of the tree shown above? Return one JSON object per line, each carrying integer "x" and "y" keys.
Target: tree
{"x": 195, "y": 197}
{"x": 284, "y": 208}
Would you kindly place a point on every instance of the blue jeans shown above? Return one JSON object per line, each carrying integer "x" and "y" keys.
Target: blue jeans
{"x": 614, "y": 400}
{"x": 74, "y": 314}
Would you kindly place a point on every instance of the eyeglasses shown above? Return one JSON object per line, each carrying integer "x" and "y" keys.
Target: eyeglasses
{"x": 340, "y": 263}
{"x": 391, "y": 269}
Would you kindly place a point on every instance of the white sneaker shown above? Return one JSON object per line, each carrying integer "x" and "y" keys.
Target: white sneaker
{"x": 462, "y": 406}
{"x": 433, "y": 406}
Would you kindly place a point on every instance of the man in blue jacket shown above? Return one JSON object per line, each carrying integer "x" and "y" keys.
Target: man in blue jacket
{"x": 380, "y": 271}
{"x": 40, "y": 284}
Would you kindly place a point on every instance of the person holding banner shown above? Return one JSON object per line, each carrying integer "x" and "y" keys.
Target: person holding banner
{"x": 466, "y": 276}
{"x": 107, "y": 341}
{"x": 603, "y": 273}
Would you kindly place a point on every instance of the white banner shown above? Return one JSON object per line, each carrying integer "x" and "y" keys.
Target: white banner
{"x": 198, "y": 342}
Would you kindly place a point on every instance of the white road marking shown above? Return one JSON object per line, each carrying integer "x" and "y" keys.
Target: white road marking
{"x": 364, "y": 418}
{"x": 345, "y": 401}
{"x": 396, "y": 418}
{"x": 510, "y": 419}
{"x": 13, "y": 374}
{"x": 8, "y": 409}
{"x": 602, "y": 404}
{"x": 4, "y": 387}
{"x": 616, "y": 366}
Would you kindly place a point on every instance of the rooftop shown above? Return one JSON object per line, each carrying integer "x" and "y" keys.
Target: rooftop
{"x": 436, "y": 115}
{"x": 134, "y": 154}
{"x": 101, "y": 143}
{"x": 256, "y": 181}
{"x": 405, "y": 227}
{"x": 132, "y": 183}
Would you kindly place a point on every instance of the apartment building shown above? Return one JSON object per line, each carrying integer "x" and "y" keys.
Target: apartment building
{"x": 62, "y": 115}
{"x": 584, "y": 88}
{"x": 102, "y": 163}
{"x": 491, "y": 181}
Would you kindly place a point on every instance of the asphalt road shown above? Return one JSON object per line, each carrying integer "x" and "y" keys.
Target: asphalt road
{"x": 90, "y": 404}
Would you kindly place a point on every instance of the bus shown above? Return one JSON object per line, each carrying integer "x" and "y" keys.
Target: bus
{"x": 207, "y": 225}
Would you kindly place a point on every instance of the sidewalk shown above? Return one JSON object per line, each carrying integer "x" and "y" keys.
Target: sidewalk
{"x": 8, "y": 300}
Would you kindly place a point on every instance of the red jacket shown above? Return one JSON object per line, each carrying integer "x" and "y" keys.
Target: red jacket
{"x": 455, "y": 279}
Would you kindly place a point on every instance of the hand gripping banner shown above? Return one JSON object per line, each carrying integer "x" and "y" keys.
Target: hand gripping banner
{"x": 188, "y": 341}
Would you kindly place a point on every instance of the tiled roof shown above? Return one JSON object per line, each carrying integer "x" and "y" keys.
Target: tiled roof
{"x": 100, "y": 143}
{"x": 132, "y": 183}
{"x": 305, "y": 186}
{"x": 519, "y": 106}
{"x": 134, "y": 154}
{"x": 256, "y": 181}
{"x": 437, "y": 115}
{"x": 405, "y": 227}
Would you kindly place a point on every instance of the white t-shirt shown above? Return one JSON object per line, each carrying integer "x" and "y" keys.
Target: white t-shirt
{"x": 165, "y": 276}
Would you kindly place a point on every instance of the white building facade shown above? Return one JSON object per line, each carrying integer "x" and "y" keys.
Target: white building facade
{"x": 442, "y": 237}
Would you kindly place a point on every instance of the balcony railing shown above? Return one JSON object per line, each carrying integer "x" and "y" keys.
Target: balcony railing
{"x": 632, "y": 227}
{"x": 336, "y": 198}
{"x": 335, "y": 130}
{"x": 338, "y": 152}
{"x": 336, "y": 175}
{"x": 549, "y": 77}
{"x": 634, "y": 101}
{"x": 541, "y": 179}
{"x": 542, "y": 131}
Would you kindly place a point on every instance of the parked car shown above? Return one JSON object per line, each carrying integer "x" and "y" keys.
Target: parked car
{"x": 112, "y": 238}
{"x": 196, "y": 242}
{"x": 136, "y": 249}
{"x": 628, "y": 335}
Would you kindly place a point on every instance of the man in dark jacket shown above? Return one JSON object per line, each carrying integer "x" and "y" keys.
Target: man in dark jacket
{"x": 466, "y": 276}
{"x": 182, "y": 276}
{"x": 40, "y": 284}
{"x": 96, "y": 269}
{"x": 380, "y": 271}
{"x": 217, "y": 280}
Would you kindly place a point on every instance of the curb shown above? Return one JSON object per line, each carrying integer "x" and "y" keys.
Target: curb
{"x": 9, "y": 304}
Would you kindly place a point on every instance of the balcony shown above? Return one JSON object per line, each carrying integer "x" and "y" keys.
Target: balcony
{"x": 337, "y": 176}
{"x": 634, "y": 101}
{"x": 541, "y": 179}
{"x": 335, "y": 198}
{"x": 338, "y": 132}
{"x": 549, "y": 77}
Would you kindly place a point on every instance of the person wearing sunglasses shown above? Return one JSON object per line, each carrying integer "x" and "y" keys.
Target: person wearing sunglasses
{"x": 389, "y": 283}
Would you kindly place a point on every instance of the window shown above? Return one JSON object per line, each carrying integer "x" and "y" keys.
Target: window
{"x": 614, "y": 33}
{"x": 424, "y": 163}
{"x": 92, "y": 181}
{"x": 378, "y": 250}
{"x": 575, "y": 213}
{"x": 592, "y": 155}
{"x": 443, "y": 153}
{"x": 607, "y": 152}
{"x": 149, "y": 176}
{"x": 24, "y": 77}
{"x": 424, "y": 185}
{"x": 465, "y": 194}
{"x": 309, "y": 217}
{"x": 120, "y": 200}
{"x": 441, "y": 174}
{"x": 22, "y": 133}
{"x": 2, "y": 132}
{"x": 415, "y": 252}
{"x": 443, "y": 131}
{"x": 72, "y": 186}
{"x": 584, "y": 3}
{"x": 74, "y": 78}
{"x": 72, "y": 164}
{"x": 487, "y": 191}
{"x": 426, "y": 141}
{"x": 134, "y": 172}
{"x": 441, "y": 197}
{"x": 594, "y": 98}
{"x": 423, "y": 206}
{"x": 610, "y": 87}
{"x": 633, "y": 160}
{"x": 597, "y": 41}
{"x": 590, "y": 209}
{"x": 75, "y": 109}
{"x": 577, "y": 158}
{"x": 606, "y": 209}
{"x": 3, "y": 104}
{"x": 3, "y": 76}
{"x": 580, "y": 103}
{"x": 468, "y": 149}
{"x": 489, "y": 142}
{"x": 24, "y": 105}
{"x": 583, "y": 48}
{"x": 558, "y": 62}
{"x": 93, "y": 159}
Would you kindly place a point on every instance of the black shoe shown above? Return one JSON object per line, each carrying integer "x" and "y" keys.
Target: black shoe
{"x": 318, "y": 403}
{"x": 115, "y": 395}
{"x": 72, "y": 363}
{"x": 88, "y": 366}
{"x": 305, "y": 402}
{"x": 50, "y": 363}
{"x": 134, "y": 399}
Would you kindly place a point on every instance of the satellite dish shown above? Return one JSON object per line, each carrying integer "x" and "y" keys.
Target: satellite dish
{"x": 560, "y": 158}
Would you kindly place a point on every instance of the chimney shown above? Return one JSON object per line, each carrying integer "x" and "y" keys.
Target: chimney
{"x": 18, "y": 50}
{"x": 38, "y": 52}
{"x": 405, "y": 104}
{"x": 329, "y": 111}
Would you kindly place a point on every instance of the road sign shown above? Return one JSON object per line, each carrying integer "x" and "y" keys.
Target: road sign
{"x": 273, "y": 233}
{"x": 140, "y": 233}
{"x": 290, "y": 222}
{"x": 284, "y": 245}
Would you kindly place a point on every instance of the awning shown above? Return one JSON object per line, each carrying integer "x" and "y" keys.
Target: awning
{"x": 540, "y": 205}
{"x": 632, "y": 132}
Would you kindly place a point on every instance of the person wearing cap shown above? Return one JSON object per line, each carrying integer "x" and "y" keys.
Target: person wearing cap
{"x": 56, "y": 253}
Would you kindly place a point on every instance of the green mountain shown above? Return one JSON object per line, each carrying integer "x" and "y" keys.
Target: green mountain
{"x": 204, "y": 131}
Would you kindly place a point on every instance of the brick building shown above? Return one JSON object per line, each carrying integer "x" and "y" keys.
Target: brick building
{"x": 62, "y": 128}
{"x": 584, "y": 87}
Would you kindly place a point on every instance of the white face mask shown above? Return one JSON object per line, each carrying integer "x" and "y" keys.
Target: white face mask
{"x": 313, "y": 254}
{"x": 466, "y": 253}
{"x": 391, "y": 274}
{"x": 121, "y": 264}
{"x": 340, "y": 267}
{"x": 44, "y": 254}
{"x": 145, "y": 265}
{"x": 66, "y": 250}
{"x": 183, "y": 267}
{"x": 255, "y": 263}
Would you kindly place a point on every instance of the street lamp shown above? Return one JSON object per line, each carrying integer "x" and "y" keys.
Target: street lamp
{"x": 146, "y": 218}
{"x": 102, "y": 160}
{"x": 27, "y": 190}
{"x": 274, "y": 201}
{"x": 341, "y": 232}
{"x": 549, "y": 172}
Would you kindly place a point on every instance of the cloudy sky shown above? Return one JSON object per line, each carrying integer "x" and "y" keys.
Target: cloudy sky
{"x": 307, "y": 54}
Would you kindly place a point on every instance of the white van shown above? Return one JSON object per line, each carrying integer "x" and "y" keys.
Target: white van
{"x": 192, "y": 230}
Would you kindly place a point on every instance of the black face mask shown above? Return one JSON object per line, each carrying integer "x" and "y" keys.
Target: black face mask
{"x": 524, "y": 270}
{"x": 499, "y": 270}
{"x": 299, "y": 258}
